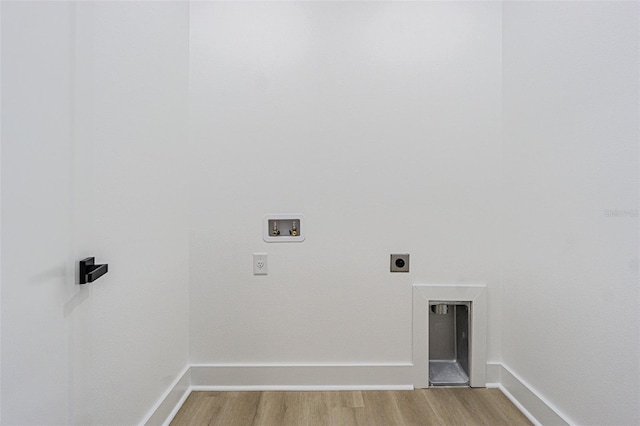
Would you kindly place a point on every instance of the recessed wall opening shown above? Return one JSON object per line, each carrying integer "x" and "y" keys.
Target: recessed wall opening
{"x": 464, "y": 310}
{"x": 449, "y": 328}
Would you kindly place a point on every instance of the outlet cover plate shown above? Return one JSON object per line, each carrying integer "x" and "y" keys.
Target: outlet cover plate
{"x": 260, "y": 264}
{"x": 400, "y": 262}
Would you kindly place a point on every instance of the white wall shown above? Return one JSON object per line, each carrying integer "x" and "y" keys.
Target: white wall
{"x": 571, "y": 300}
{"x": 94, "y": 128}
{"x": 0, "y": 213}
{"x": 377, "y": 121}
{"x": 37, "y": 273}
{"x": 132, "y": 122}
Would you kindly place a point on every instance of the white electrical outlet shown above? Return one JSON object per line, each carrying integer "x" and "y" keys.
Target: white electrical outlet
{"x": 259, "y": 263}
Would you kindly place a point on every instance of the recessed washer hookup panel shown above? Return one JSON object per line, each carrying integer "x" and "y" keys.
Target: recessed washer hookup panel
{"x": 283, "y": 228}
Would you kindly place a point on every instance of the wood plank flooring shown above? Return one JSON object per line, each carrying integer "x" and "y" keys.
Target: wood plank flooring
{"x": 443, "y": 406}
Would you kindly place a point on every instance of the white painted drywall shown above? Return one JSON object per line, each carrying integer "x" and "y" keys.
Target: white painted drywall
{"x": 37, "y": 277}
{"x": 377, "y": 121}
{"x": 132, "y": 123}
{"x": 380, "y": 122}
{"x": 94, "y": 164}
{"x": 571, "y": 300}
{"x": 0, "y": 212}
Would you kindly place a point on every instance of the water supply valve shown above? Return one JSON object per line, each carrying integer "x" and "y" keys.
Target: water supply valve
{"x": 275, "y": 226}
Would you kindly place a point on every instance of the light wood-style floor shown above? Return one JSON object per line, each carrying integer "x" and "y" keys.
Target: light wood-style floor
{"x": 444, "y": 406}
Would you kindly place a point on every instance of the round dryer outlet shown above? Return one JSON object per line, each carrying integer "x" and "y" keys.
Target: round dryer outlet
{"x": 400, "y": 262}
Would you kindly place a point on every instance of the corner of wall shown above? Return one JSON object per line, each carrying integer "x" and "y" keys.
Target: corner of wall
{"x": 528, "y": 400}
{"x": 336, "y": 377}
{"x": 168, "y": 405}
{"x": 0, "y": 210}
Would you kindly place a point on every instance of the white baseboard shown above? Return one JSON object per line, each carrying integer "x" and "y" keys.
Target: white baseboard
{"x": 298, "y": 388}
{"x": 269, "y": 377}
{"x": 293, "y": 376}
{"x": 167, "y": 407}
{"x": 493, "y": 374}
{"x": 529, "y": 401}
{"x": 278, "y": 377}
